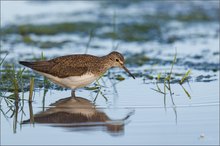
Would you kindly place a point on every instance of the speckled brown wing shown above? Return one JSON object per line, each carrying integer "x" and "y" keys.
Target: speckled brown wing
{"x": 61, "y": 67}
{"x": 72, "y": 65}
{"x": 68, "y": 70}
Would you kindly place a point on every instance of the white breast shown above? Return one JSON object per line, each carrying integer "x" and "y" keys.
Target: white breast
{"x": 72, "y": 81}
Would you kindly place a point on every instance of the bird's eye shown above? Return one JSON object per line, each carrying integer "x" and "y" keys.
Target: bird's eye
{"x": 117, "y": 60}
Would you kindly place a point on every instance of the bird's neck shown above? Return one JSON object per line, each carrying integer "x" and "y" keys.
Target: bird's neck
{"x": 106, "y": 61}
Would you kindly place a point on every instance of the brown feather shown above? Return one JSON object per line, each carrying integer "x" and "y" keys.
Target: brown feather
{"x": 65, "y": 66}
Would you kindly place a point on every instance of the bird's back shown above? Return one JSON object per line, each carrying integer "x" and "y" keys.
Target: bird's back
{"x": 65, "y": 66}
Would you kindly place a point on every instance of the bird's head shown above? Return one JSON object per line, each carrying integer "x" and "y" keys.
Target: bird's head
{"x": 117, "y": 60}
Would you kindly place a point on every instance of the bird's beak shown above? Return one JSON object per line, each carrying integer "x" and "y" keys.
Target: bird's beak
{"x": 127, "y": 71}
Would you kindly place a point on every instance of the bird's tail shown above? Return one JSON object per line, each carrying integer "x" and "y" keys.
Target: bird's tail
{"x": 42, "y": 66}
{"x": 25, "y": 63}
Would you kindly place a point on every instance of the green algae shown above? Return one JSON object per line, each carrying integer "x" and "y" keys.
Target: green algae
{"x": 44, "y": 44}
{"x": 152, "y": 27}
{"x": 135, "y": 32}
{"x": 52, "y": 29}
{"x": 119, "y": 78}
{"x": 194, "y": 16}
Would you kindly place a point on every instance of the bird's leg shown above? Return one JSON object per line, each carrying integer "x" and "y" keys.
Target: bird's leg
{"x": 73, "y": 93}
{"x": 73, "y": 96}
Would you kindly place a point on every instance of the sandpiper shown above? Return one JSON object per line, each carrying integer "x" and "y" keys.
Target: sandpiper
{"x": 78, "y": 70}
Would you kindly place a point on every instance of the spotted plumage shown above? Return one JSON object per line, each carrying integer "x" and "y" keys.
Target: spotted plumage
{"x": 79, "y": 70}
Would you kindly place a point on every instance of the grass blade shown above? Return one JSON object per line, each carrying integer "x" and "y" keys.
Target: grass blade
{"x": 3, "y": 59}
{"x": 185, "y": 76}
{"x": 157, "y": 91}
{"x": 187, "y": 93}
{"x": 31, "y": 89}
{"x": 91, "y": 36}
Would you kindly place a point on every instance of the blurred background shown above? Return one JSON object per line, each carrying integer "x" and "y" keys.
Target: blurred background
{"x": 152, "y": 35}
{"x": 102, "y": 26}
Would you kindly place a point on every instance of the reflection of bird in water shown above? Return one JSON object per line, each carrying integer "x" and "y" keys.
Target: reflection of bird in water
{"x": 78, "y": 113}
{"x": 76, "y": 71}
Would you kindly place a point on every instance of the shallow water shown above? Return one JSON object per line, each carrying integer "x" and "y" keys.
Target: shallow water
{"x": 134, "y": 113}
{"x": 191, "y": 121}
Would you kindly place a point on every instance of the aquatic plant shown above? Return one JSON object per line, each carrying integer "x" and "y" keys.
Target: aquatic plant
{"x": 185, "y": 77}
{"x": 167, "y": 82}
{"x": 31, "y": 89}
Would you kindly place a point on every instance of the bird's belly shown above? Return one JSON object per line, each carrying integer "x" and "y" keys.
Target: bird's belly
{"x": 72, "y": 81}
{"x": 79, "y": 81}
